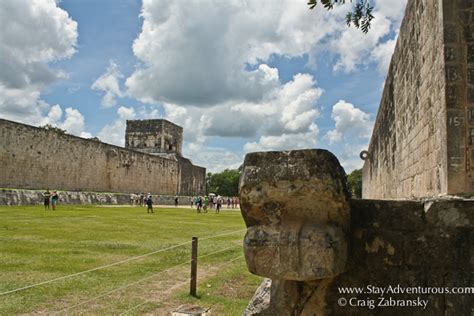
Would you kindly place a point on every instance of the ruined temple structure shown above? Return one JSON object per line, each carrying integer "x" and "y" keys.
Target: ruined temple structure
{"x": 423, "y": 140}
{"x": 35, "y": 158}
{"x": 157, "y": 137}
{"x": 314, "y": 244}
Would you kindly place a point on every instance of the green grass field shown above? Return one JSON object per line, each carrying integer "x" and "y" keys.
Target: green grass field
{"x": 38, "y": 245}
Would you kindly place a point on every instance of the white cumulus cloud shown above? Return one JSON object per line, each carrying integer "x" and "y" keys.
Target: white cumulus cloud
{"x": 74, "y": 123}
{"x": 285, "y": 141}
{"x": 382, "y": 54}
{"x": 34, "y": 33}
{"x": 114, "y": 133}
{"x": 206, "y": 53}
{"x": 54, "y": 115}
{"x": 356, "y": 49}
{"x": 285, "y": 118}
{"x": 351, "y": 123}
{"x": 208, "y": 64}
{"x": 349, "y": 156}
{"x": 215, "y": 159}
{"x": 109, "y": 83}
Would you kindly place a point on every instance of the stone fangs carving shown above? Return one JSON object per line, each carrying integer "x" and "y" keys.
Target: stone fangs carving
{"x": 296, "y": 208}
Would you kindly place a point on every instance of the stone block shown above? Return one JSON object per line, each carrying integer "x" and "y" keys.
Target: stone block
{"x": 406, "y": 215}
{"x": 450, "y": 213}
{"x": 296, "y": 207}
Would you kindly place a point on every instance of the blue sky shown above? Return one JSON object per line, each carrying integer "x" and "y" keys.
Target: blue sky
{"x": 238, "y": 76}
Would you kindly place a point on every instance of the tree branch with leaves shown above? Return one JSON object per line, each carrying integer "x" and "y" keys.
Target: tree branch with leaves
{"x": 360, "y": 16}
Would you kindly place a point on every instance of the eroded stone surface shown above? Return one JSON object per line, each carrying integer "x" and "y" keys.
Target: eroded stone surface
{"x": 260, "y": 300}
{"x": 296, "y": 208}
{"x": 393, "y": 243}
{"x": 294, "y": 237}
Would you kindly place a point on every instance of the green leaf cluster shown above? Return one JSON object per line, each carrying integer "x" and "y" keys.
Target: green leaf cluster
{"x": 360, "y": 16}
{"x": 354, "y": 181}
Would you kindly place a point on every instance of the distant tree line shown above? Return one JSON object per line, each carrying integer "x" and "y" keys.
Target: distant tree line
{"x": 225, "y": 183}
{"x": 354, "y": 181}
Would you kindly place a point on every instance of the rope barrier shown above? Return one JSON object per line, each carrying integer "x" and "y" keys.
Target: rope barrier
{"x": 121, "y": 288}
{"x": 110, "y": 265}
{"x": 143, "y": 303}
{"x": 138, "y": 281}
{"x": 224, "y": 234}
{"x": 222, "y": 250}
{"x": 94, "y": 269}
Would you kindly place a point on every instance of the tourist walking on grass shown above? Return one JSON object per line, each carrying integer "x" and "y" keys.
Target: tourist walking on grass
{"x": 199, "y": 204}
{"x": 211, "y": 202}
{"x": 46, "y": 196}
{"x": 149, "y": 203}
{"x": 218, "y": 205}
{"x": 176, "y": 201}
{"x": 54, "y": 200}
{"x": 206, "y": 203}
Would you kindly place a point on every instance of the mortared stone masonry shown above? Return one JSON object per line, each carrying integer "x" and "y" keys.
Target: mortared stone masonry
{"x": 35, "y": 158}
{"x": 423, "y": 140}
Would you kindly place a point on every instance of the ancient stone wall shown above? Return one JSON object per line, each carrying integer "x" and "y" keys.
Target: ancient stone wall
{"x": 458, "y": 20}
{"x": 405, "y": 245}
{"x": 192, "y": 178}
{"x": 35, "y": 197}
{"x": 411, "y": 245}
{"x": 407, "y": 152}
{"x": 36, "y": 158}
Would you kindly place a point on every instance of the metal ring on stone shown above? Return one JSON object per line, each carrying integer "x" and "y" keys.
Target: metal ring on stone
{"x": 364, "y": 155}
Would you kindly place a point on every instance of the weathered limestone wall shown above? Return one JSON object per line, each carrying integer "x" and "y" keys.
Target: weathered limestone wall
{"x": 392, "y": 243}
{"x": 413, "y": 245}
{"x": 35, "y": 158}
{"x": 458, "y": 18}
{"x": 192, "y": 178}
{"x": 33, "y": 197}
{"x": 407, "y": 152}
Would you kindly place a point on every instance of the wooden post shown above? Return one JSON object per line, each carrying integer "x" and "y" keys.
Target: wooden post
{"x": 194, "y": 252}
